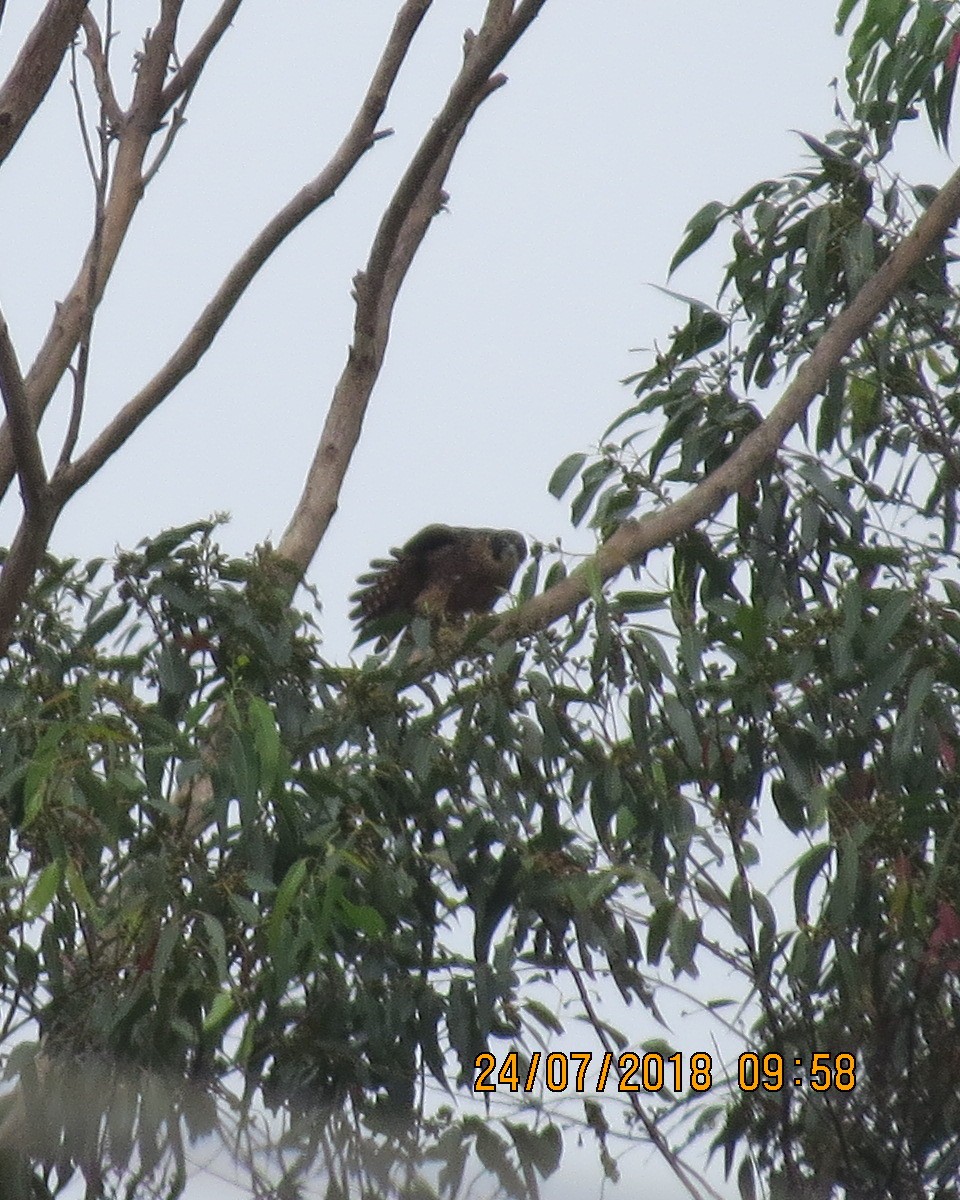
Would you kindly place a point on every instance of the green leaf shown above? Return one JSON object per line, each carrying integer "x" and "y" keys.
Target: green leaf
{"x": 887, "y": 625}
{"x": 168, "y": 941}
{"x": 843, "y": 889}
{"x": 843, "y": 13}
{"x": 683, "y": 728}
{"x": 546, "y": 1016}
{"x": 287, "y": 891}
{"x": 904, "y": 735}
{"x": 638, "y": 602}
{"x": 166, "y": 542}
{"x": 685, "y": 935}
{"x": 81, "y": 894}
{"x": 565, "y": 474}
{"x": 741, "y": 912}
{"x": 220, "y": 1012}
{"x": 746, "y": 1184}
{"x": 700, "y": 228}
{"x": 266, "y": 738}
{"x": 103, "y": 625}
{"x": 362, "y": 917}
{"x": 807, "y": 870}
{"x": 825, "y": 488}
{"x": 864, "y": 396}
{"x": 216, "y": 944}
{"x": 44, "y": 889}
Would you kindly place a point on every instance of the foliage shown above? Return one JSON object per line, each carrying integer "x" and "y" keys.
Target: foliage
{"x": 817, "y": 635}
{"x": 255, "y": 892}
{"x": 314, "y": 948}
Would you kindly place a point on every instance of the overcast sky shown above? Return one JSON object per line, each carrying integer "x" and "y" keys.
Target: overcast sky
{"x": 568, "y": 197}
{"x": 520, "y": 315}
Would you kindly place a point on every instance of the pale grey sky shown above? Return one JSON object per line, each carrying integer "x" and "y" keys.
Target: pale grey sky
{"x": 568, "y": 198}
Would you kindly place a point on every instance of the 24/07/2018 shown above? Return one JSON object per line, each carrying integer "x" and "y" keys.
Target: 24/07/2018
{"x": 630, "y": 1072}
{"x": 651, "y": 1072}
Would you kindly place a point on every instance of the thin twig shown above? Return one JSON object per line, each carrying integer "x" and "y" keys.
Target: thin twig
{"x": 682, "y": 1172}
{"x": 126, "y": 192}
{"x": 174, "y": 125}
{"x": 80, "y": 372}
{"x": 81, "y": 114}
{"x": 30, "y": 543}
{"x": 110, "y": 120}
{"x": 97, "y": 56}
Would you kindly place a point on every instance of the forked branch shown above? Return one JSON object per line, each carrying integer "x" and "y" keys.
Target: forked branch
{"x": 358, "y": 140}
{"x": 401, "y": 231}
{"x": 126, "y": 191}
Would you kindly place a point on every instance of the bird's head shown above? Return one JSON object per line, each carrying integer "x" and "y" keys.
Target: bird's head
{"x": 507, "y": 545}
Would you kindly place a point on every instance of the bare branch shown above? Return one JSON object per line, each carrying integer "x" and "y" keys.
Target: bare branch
{"x": 341, "y": 430}
{"x": 635, "y": 538}
{"x": 686, "y": 1175}
{"x": 174, "y": 125}
{"x": 486, "y": 52}
{"x": 26, "y": 445}
{"x": 86, "y": 331}
{"x": 126, "y": 192}
{"x": 400, "y": 233}
{"x": 21, "y": 565}
{"x": 360, "y": 137}
{"x": 36, "y": 67}
{"x": 145, "y": 110}
{"x": 189, "y": 72}
{"x": 81, "y": 114}
{"x": 102, "y": 82}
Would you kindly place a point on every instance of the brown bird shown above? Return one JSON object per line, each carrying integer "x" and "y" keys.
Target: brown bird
{"x": 442, "y": 573}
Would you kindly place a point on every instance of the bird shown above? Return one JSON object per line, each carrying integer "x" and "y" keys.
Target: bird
{"x": 442, "y": 573}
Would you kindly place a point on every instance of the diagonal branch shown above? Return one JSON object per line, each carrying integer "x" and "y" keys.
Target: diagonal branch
{"x": 484, "y": 53}
{"x": 686, "y": 1175}
{"x": 189, "y": 72}
{"x": 635, "y": 538}
{"x": 72, "y": 319}
{"x": 126, "y": 191}
{"x": 36, "y": 67}
{"x": 358, "y": 140}
{"x": 26, "y": 444}
{"x": 401, "y": 231}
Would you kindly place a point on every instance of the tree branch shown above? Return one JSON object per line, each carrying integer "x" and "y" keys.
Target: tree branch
{"x": 359, "y": 138}
{"x": 401, "y": 231}
{"x": 484, "y": 53}
{"x": 636, "y": 537}
{"x": 36, "y": 67}
{"x": 126, "y": 191}
{"x": 196, "y": 60}
{"x": 687, "y": 1177}
{"x": 102, "y": 82}
{"x": 26, "y": 444}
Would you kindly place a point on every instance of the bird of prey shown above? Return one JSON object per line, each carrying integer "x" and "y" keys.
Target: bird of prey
{"x": 442, "y": 573}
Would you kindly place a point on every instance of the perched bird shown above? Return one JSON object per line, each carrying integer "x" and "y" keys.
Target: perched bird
{"x": 442, "y": 573}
